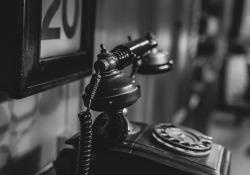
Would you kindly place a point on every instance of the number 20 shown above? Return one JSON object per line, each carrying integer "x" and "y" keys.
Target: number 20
{"x": 54, "y": 33}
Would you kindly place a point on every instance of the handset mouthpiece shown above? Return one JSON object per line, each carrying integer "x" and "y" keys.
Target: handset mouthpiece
{"x": 124, "y": 54}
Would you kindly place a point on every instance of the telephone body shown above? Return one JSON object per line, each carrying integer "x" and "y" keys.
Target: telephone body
{"x": 142, "y": 154}
{"x": 146, "y": 149}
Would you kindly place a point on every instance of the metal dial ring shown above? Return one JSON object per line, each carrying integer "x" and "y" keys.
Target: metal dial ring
{"x": 183, "y": 140}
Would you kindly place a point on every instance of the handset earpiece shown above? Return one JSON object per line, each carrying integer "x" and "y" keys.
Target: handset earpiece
{"x": 156, "y": 62}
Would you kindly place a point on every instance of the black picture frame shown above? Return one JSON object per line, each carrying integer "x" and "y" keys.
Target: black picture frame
{"x": 21, "y": 72}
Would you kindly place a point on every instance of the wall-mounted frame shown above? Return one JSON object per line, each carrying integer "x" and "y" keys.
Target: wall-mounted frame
{"x": 46, "y": 43}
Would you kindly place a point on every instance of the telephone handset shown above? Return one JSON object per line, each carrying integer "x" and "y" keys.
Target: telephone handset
{"x": 118, "y": 149}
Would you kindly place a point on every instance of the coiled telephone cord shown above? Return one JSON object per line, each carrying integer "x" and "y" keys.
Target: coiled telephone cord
{"x": 85, "y": 139}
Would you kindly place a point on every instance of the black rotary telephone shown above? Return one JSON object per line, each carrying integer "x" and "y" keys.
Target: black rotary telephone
{"x": 113, "y": 145}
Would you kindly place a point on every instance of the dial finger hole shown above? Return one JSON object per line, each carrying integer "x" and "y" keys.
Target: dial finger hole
{"x": 202, "y": 146}
{"x": 206, "y": 142}
{"x": 165, "y": 135}
{"x": 174, "y": 140}
{"x": 160, "y": 130}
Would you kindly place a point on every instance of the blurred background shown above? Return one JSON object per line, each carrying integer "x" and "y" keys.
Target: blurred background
{"x": 207, "y": 90}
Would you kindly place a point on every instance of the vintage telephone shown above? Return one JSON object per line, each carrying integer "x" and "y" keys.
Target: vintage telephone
{"x": 111, "y": 146}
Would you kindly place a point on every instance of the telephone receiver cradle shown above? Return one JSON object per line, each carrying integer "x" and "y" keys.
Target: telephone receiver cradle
{"x": 143, "y": 149}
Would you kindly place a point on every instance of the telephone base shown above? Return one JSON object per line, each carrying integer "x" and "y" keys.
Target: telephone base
{"x": 141, "y": 154}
